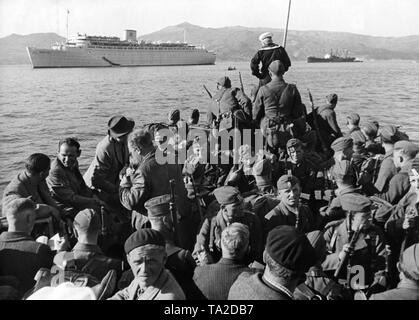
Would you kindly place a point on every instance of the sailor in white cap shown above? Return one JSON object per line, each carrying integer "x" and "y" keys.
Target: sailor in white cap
{"x": 265, "y": 55}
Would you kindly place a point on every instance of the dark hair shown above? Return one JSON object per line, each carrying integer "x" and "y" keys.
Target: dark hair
{"x": 37, "y": 163}
{"x": 71, "y": 142}
{"x": 140, "y": 139}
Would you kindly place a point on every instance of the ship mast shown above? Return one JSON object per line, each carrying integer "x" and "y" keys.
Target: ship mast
{"x": 68, "y": 12}
{"x": 284, "y": 42}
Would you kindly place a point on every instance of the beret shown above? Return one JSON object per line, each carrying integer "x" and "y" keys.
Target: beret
{"x": 318, "y": 242}
{"x": 265, "y": 35}
{"x": 354, "y": 117}
{"x": 355, "y": 202}
{"x": 224, "y": 82}
{"x": 343, "y": 171}
{"x": 407, "y": 147}
{"x": 227, "y": 195}
{"x": 341, "y": 144}
{"x": 144, "y": 237}
{"x": 290, "y": 248}
{"x": 276, "y": 67}
{"x": 87, "y": 220}
{"x": 287, "y": 181}
{"x": 332, "y": 98}
{"x": 409, "y": 261}
{"x": 370, "y": 129}
{"x": 158, "y": 206}
{"x": 294, "y": 143}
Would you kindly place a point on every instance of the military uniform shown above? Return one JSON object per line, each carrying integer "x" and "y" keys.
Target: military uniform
{"x": 398, "y": 186}
{"x": 281, "y": 215}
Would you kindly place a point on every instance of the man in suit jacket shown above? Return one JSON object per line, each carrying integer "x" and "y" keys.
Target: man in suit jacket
{"x": 31, "y": 183}
{"x": 215, "y": 280}
{"x": 20, "y": 255}
{"x": 111, "y": 157}
{"x": 66, "y": 182}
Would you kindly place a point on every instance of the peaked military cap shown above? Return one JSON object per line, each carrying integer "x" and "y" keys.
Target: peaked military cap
{"x": 227, "y": 195}
{"x": 276, "y": 67}
{"x": 144, "y": 237}
{"x": 290, "y": 248}
{"x": 341, "y": 144}
{"x": 355, "y": 202}
{"x": 409, "y": 261}
{"x": 407, "y": 147}
{"x": 286, "y": 182}
{"x": 158, "y": 206}
{"x": 265, "y": 35}
{"x": 391, "y": 134}
{"x": 294, "y": 143}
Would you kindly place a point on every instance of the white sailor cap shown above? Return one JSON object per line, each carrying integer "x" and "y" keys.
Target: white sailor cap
{"x": 265, "y": 35}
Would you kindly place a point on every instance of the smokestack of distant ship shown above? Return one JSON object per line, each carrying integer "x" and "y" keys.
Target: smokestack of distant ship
{"x": 131, "y": 35}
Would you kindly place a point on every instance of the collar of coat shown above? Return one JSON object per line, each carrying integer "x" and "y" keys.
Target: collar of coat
{"x": 15, "y": 236}
{"x": 136, "y": 293}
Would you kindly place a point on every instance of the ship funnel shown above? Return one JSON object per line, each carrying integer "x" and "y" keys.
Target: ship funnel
{"x": 131, "y": 35}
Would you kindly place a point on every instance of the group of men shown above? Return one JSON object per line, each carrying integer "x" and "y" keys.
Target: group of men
{"x": 314, "y": 214}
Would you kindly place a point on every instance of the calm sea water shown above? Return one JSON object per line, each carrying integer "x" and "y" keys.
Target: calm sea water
{"x": 38, "y": 107}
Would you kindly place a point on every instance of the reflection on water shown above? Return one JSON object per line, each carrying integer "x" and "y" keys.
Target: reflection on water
{"x": 38, "y": 107}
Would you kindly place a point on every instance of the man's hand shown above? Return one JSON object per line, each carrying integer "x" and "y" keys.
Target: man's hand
{"x": 203, "y": 257}
{"x": 345, "y": 251}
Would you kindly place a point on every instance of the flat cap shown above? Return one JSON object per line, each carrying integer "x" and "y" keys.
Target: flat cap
{"x": 265, "y": 35}
{"x": 343, "y": 171}
{"x": 227, "y": 195}
{"x": 294, "y": 143}
{"x": 355, "y": 202}
{"x": 277, "y": 67}
{"x": 144, "y": 237}
{"x": 87, "y": 221}
{"x": 341, "y": 144}
{"x": 224, "y": 82}
{"x": 407, "y": 147}
{"x": 332, "y": 98}
{"x": 354, "y": 118}
{"x": 286, "y": 182}
{"x": 158, "y": 206}
{"x": 370, "y": 129}
{"x": 409, "y": 261}
{"x": 290, "y": 248}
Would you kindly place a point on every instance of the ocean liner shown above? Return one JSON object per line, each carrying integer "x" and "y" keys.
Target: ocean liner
{"x": 332, "y": 57}
{"x": 95, "y": 51}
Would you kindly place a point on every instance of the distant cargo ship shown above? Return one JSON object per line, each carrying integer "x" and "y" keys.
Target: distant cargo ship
{"x": 95, "y": 51}
{"x": 332, "y": 57}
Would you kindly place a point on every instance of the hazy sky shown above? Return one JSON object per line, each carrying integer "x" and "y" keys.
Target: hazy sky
{"x": 111, "y": 17}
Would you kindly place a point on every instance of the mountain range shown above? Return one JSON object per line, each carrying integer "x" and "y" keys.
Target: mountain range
{"x": 239, "y": 43}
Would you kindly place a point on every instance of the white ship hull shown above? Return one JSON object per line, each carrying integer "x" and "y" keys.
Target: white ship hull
{"x": 124, "y": 57}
